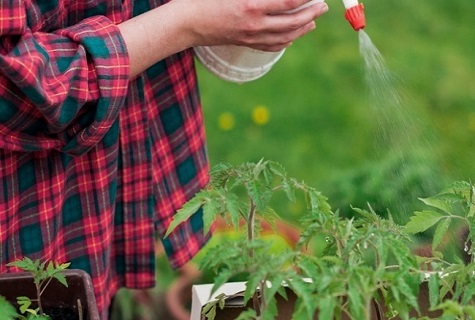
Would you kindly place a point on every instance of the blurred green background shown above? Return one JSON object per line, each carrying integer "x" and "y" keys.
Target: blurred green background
{"x": 313, "y": 113}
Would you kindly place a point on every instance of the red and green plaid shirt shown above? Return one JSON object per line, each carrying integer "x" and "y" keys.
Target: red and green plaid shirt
{"x": 92, "y": 165}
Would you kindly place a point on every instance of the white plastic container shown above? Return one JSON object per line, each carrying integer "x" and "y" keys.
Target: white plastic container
{"x": 237, "y": 63}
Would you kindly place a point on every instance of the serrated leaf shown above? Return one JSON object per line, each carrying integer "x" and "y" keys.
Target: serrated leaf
{"x": 183, "y": 214}
{"x": 289, "y": 191}
{"x": 407, "y": 292}
{"x": 63, "y": 266}
{"x": 355, "y": 301}
{"x": 26, "y": 264}
{"x": 50, "y": 267}
{"x": 61, "y": 278}
{"x": 275, "y": 286}
{"x": 304, "y": 294}
{"x": 24, "y": 303}
{"x": 210, "y": 210}
{"x": 277, "y": 168}
{"x": 271, "y": 310}
{"x": 433, "y": 290}
{"x": 232, "y": 206}
{"x": 252, "y": 286}
{"x": 422, "y": 220}
{"x": 439, "y": 233}
{"x": 469, "y": 293}
{"x": 220, "y": 279}
{"x": 438, "y": 203}
{"x": 326, "y": 308}
{"x": 260, "y": 194}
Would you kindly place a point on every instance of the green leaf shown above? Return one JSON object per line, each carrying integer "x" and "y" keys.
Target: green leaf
{"x": 304, "y": 294}
{"x": 221, "y": 300}
{"x": 61, "y": 278}
{"x": 207, "y": 307}
{"x": 271, "y": 311}
{"x": 221, "y": 279}
{"x": 26, "y": 264}
{"x": 63, "y": 266}
{"x": 50, "y": 268}
{"x": 7, "y": 311}
{"x": 260, "y": 194}
{"x": 422, "y": 220}
{"x": 439, "y": 203}
{"x": 275, "y": 286}
{"x": 326, "y": 307}
{"x": 24, "y": 303}
{"x": 186, "y": 212}
{"x": 232, "y": 206}
{"x": 211, "y": 313}
{"x": 433, "y": 290}
{"x": 439, "y": 233}
{"x": 210, "y": 210}
{"x": 252, "y": 285}
{"x": 469, "y": 293}
{"x": 470, "y": 311}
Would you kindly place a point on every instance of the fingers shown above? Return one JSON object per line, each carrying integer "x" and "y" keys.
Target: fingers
{"x": 280, "y": 30}
{"x": 279, "y": 6}
{"x": 280, "y": 40}
{"x": 269, "y": 25}
{"x": 296, "y": 19}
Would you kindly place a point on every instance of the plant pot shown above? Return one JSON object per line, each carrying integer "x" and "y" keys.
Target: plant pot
{"x": 77, "y": 298}
{"x": 234, "y": 306}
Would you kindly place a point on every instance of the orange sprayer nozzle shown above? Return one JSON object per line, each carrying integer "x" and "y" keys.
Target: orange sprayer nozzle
{"x": 355, "y": 15}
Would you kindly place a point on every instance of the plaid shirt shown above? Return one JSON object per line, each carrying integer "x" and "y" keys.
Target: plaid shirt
{"x": 92, "y": 165}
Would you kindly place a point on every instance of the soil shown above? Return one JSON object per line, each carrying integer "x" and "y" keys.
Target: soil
{"x": 62, "y": 313}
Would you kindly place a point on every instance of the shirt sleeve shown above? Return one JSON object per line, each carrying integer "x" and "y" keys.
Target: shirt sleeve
{"x": 61, "y": 89}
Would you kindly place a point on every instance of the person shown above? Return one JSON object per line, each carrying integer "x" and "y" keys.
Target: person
{"x": 101, "y": 127}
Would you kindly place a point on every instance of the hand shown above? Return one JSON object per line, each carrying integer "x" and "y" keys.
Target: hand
{"x": 259, "y": 24}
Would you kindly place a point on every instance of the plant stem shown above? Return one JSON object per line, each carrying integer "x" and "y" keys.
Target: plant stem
{"x": 38, "y": 294}
{"x": 44, "y": 286}
{"x": 251, "y": 226}
{"x": 250, "y": 237}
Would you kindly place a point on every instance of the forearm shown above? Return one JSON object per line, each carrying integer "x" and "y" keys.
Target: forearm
{"x": 153, "y": 36}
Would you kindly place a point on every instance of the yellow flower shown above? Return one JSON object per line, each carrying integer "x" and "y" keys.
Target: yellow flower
{"x": 226, "y": 121}
{"x": 260, "y": 115}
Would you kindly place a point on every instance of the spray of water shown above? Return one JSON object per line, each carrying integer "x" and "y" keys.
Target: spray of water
{"x": 401, "y": 133}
